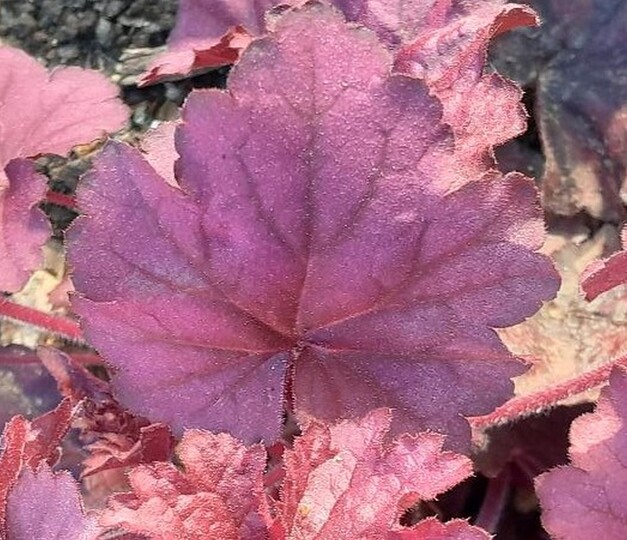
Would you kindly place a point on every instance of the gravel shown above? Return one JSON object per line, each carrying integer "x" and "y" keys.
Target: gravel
{"x": 88, "y": 33}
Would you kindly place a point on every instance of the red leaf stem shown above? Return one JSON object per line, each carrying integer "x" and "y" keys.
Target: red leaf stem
{"x": 537, "y": 402}
{"x": 61, "y": 199}
{"x": 494, "y": 501}
{"x": 54, "y": 324}
{"x": 20, "y": 356}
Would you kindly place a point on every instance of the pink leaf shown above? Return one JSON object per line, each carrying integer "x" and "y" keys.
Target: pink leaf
{"x": 196, "y": 56}
{"x": 49, "y": 113}
{"x": 317, "y": 242}
{"x": 43, "y": 504}
{"x": 160, "y": 152}
{"x": 344, "y": 482}
{"x": 208, "y": 33}
{"x": 432, "y": 529}
{"x": 41, "y": 112}
{"x": 23, "y": 227}
{"x": 217, "y": 495}
{"x": 587, "y": 499}
{"x": 13, "y": 442}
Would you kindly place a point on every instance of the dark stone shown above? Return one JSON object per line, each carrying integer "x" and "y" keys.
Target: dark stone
{"x": 88, "y": 33}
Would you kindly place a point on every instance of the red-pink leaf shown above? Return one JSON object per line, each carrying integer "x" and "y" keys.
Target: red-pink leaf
{"x": 113, "y": 437}
{"x": 13, "y": 441}
{"x": 208, "y": 33}
{"x": 217, "y": 495}
{"x": 432, "y": 529}
{"x": 29, "y": 444}
{"x": 23, "y": 227}
{"x": 317, "y": 233}
{"x": 43, "y": 504}
{"x": 484, "y": 109}
{"x": 196, "y": 56}
{"x": 345, "y": 482}
{"x": 45, "y": 435}
{"x": 587, "y": 498}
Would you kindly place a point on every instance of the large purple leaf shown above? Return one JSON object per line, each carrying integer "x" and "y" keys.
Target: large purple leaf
{"x": 316, "y": 240}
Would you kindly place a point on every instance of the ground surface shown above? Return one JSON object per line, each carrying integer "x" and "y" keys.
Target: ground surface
{"x": 89, "y": 33}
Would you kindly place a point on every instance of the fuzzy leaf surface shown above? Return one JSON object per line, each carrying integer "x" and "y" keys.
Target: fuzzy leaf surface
{"x": 586, "y": 498}
{"x": 217, "y": 495}
{"x": 484, "y": 109}
{"x": 43, "y": 504}
{"x": 23, "y": 227}
{"x": 432, "y": 529}
{"x": 28, "y": 445}
{"x": 343, "y": 481}
{"x": 45, "y": 112}
{"x": 317, "y": 235}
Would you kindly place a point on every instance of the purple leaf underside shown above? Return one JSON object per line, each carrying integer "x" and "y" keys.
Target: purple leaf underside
{"x": 315, "y": 240}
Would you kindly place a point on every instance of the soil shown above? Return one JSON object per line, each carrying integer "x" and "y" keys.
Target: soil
{"x": 87, "y": 33}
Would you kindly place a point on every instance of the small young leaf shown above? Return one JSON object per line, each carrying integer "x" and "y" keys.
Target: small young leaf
{"x": 41, "y": 112}
{"x": 49, "y": 113}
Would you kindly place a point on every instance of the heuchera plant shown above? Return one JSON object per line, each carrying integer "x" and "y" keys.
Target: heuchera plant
{"x": 317, "y": 250}
{"x": 294, "y": 291}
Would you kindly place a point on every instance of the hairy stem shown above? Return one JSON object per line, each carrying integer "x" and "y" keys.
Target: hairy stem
{"x": 537, "y": 402}
{"x": 53, "y": 324}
